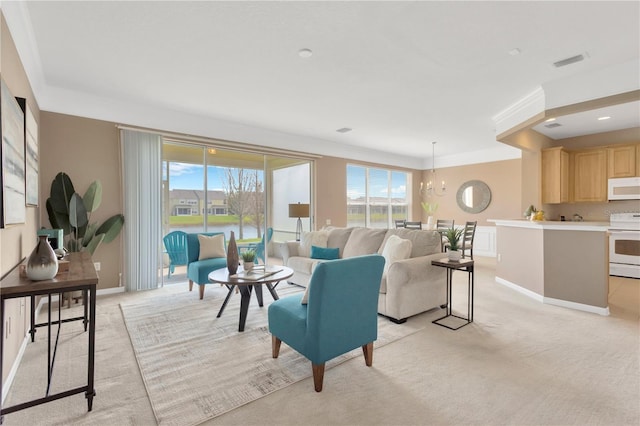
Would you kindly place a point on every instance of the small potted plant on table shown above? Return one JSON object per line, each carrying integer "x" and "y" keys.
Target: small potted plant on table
{"x": 453, "y": 236}
{"x": 248, "y": 259}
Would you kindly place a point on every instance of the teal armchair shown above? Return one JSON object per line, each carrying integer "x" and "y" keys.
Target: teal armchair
{"x": 341, "y": 314}
{"x": 198, "y": 270}
{"x": 260, "y": 248}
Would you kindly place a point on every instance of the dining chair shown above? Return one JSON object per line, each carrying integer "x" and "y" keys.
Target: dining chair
{"x": 441, "y": 226}
{"x": 413, "y": 225}
{"x": 467, "y": 238}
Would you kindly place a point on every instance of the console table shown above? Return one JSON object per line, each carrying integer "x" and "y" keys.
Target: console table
{"x": 81, "y": 276}
{"x": 465, "y": 265}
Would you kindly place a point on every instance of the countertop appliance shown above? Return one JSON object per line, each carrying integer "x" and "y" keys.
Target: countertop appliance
{"x": 624, "y": 244}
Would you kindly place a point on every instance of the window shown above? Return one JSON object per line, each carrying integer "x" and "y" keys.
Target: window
{"x": 376, "y": 197}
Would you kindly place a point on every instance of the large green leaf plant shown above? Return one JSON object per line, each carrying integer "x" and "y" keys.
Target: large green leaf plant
{"x": 72, "y": 213}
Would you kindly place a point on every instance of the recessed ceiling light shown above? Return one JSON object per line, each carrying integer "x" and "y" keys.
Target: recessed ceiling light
{"x": 603, "y": 118}
{"x": 305, "y": 53}
{"x": 514, "y": 52}
{"x": 344, "y": 130}
{"x": 549, "y": 119}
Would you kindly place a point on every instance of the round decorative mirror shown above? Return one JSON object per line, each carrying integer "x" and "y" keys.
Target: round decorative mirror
{"x": 473, "y": 196}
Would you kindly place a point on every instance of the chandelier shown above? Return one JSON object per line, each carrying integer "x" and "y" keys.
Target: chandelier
{"x": 431, "y": 188}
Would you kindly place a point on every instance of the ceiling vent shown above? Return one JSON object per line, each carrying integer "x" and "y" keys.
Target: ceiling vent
{"x": 552, "y": 125}
{"x": 344, "y": 130}
{"x": 568, "y": 61}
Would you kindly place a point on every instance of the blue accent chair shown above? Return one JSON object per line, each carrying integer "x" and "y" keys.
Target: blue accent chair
{"x": 341, "y": 314}
{"x": 259, "y": 248}
{"x": 175, "y": 243}
{"x": 198, "y": 270}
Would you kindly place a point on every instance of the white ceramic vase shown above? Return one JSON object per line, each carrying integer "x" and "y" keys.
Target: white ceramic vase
{"x": 248, "y": 265}
{"x": 43, "y": 263}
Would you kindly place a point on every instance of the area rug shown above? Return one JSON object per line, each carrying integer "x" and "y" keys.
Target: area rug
{"x": 196, "y": 366}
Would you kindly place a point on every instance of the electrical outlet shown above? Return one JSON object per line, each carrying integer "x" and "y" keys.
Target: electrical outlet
{"x": 96, "y": 265}
{"x": 328, "y": 221}
{"x": 499, "y": 257}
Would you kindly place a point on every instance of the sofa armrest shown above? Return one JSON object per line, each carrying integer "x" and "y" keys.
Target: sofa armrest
{"x": 416, "y": 269}
{"x": 289, "y": 249}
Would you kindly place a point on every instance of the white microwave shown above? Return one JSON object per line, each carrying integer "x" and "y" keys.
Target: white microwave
{"x": 624, "y": 188}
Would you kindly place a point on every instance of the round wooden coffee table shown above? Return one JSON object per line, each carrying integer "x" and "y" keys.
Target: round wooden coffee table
{"x": 246, "y": 282}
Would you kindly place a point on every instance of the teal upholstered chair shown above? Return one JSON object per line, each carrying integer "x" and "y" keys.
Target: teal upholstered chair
{"x": 175, "y": 243}
{"x": 260, "y": 248}
{"x": 198, "y": 270}
{"x": 341, "y": 314}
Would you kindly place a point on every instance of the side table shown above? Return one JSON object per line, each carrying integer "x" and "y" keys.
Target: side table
{"x": 465, "y": 265}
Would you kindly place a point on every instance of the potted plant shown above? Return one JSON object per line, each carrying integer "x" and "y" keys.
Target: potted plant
{"x": 248, "y": 259}
{"x": 72, "y": 213}
{"x": 453, "y": 236}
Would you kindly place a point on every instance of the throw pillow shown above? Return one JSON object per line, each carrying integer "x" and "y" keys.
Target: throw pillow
{"x": 211, "y": 246}
{"x": 308, "y": 239}
{"x": 324, "y": 253}
{"x": 395, "y": 249}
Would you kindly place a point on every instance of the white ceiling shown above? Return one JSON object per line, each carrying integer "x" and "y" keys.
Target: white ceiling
{"x": 400, "y": 74}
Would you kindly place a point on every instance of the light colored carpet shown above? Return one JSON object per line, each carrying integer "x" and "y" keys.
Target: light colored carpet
{"x": 520, "y": 363}
{"x": 196, "y": 366}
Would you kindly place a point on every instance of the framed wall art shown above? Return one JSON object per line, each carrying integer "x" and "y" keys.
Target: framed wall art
{"x": 13, "y": 165}
{"x": 31, "y": 153}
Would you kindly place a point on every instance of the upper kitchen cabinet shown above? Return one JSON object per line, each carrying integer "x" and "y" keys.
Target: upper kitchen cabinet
{"x": 622, "y": 161}
{"x": 555, "y": 176}
{"x": 590, "y": 175}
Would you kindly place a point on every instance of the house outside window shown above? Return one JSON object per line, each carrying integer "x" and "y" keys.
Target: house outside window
{"x": 376, "y": 197}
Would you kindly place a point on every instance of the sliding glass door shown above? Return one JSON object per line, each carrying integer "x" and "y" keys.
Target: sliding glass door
{"x": 207, "y": 189}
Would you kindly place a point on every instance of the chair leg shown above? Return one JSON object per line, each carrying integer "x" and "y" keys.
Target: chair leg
{"x": 367, "y": 350}
{"x": 275, "y": 346}
{"x": 201, "y": 290}
{"x": 190, "y": 285}
{"x": 318, "y": 376}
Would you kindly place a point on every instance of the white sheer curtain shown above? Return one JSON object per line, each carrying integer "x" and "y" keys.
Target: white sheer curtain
{"x": 142, "y": 166}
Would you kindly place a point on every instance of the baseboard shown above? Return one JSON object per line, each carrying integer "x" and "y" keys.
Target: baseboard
{"x": 6, "y": 386}
{"x": 531, "y": 294}
{"x": 555, "y": 302}
{"x": 577, "y": 306}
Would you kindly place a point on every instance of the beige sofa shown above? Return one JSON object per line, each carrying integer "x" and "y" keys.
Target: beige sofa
{"x": 409, "y": 285}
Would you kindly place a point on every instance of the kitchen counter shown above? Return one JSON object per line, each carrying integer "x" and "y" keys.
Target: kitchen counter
{"x": 553, "y": 224}
{"x": 558, "y": 263}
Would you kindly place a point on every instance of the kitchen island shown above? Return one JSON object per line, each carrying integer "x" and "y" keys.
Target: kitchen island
{"x": 559, "y": 263}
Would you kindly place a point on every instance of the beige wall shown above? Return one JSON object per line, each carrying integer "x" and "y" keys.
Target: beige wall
{"x": 502, "y": 177}
{"x": 16, "y": 241}
{"x": 521, "y": 263}
{"x": 86, "y": 150}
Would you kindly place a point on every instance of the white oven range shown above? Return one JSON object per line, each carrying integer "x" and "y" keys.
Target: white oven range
{"x": 624, "y": 244}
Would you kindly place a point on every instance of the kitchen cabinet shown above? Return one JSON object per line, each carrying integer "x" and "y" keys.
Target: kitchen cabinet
{"x": 555, "y": 176}
{"x": 590, "y": 175}
{"x": 622, "y": 161}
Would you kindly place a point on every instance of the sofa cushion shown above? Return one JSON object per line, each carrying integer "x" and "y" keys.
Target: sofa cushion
{"x": 211, "y": 246}
{"x": 314, "y": 238}
{"x": 395, "y": 248}
{"x": 338, "y": 237}
{"x": 363, "y": 241}
{"x": 423, "y": 242}
{"x": 326, "y": 253}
